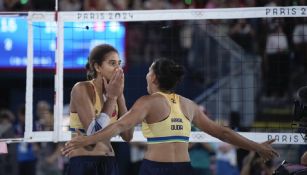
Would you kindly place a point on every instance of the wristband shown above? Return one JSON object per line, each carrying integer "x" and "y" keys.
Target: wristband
{"x": 98, "y": 124}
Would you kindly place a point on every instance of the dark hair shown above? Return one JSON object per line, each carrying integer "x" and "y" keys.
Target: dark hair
{"x": 6, "y": 115}
{"x": 300, "y": 105}
{"x": 97, "y": 55}
{"x": 21, "y": 110}
{"x": 168, "y": 73}
{"x": 302, "y": 94}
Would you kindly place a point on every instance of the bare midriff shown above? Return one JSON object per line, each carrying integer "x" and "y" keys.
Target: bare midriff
{"x": 168, "y": 152}
{"x": 102, "y": 148}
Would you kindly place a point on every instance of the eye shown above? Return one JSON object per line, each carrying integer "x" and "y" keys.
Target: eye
{"x": 113, "y": 63}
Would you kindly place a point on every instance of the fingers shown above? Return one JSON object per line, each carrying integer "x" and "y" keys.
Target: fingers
{"x": 275, "y": 153}
{"x": 114, "y": 88}
{"x": 67, "y": 149}
{"x": 71, "y": 147}
{"x": 270, "y": 141}
{"x": 271, "y": 154}
{"x": 116, "y": 75}
{"x": 119, "y": 75}
{"x": 267, "y": 152}
{"x": 105, "y": 82}
{"x": 79, "y": 132}
{"x": 68, "y": 152}
{"x": 117, "y": 78}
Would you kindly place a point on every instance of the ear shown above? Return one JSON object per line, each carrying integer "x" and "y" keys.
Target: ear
{"x": 96, "y": 66}
{"x": 154, "y": 79}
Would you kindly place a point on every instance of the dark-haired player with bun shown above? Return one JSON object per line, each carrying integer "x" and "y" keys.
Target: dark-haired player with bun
{"x": 166, "y": 119}
{"x": 95, "y": 104}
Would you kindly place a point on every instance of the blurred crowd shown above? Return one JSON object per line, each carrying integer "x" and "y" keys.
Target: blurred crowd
{"x": 43, "y": 158}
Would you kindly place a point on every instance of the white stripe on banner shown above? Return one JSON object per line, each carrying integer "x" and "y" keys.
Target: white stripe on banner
{"x": 186, "y": 14}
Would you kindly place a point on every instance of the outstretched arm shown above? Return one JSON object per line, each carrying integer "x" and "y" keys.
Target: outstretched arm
{"x": 135, "y": 115}
{"x": 227, "y": 135}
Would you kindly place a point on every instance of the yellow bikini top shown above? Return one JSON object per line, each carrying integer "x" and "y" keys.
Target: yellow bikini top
{"x": 75, "y": 122}
{"x": 174, "y": 128}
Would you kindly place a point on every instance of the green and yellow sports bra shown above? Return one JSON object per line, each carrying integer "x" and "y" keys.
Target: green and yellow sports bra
{"x": 174, "y": 128}
{"x": 75, "y": 123}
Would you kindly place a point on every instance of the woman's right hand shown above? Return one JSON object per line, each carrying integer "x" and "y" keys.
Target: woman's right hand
{"x": 75, "y": 144}
{"x": 266, "y": 152}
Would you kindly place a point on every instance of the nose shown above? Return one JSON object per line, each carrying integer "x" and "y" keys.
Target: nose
{"x": 118, "y": 68}
{"x": 118, "y": 64}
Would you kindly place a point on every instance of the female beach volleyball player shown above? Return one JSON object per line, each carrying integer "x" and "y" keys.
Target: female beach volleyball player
{"x": 102, "y": 92}
{"x": 166, "y": 123}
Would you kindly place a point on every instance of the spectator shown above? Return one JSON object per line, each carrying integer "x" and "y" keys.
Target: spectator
{"x": 156, "y": 4}
{"x": 2, "y": 5}
{"x": 200, "y": 155}
{"x": 300, "y": 43}
{"x": 44, "y": 116}
{"x": 45, "y": 5}
{"x": 8, "y": 162}
{"x": 97, "y": 5}
{"x": 70, "y": 5}
{"x": 254, "y": 165}
{"x": 26, "y": 156}
{"x": 243, "y": 33}
{"x": 50, "y": 161}
{"x": 226, "y": 160}
{"x": 276, "y": 62}
{"x": 235, "y": 124}
{"x": 226, "y": 157}
{"x": 12, "y": 5}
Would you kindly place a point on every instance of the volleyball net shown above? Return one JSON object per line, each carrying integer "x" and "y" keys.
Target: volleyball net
{"x": 239, "y": 61}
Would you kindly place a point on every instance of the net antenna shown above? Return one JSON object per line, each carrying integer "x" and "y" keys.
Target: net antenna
{"x": 135, "y": 16}
{"x": 56, "y": 7}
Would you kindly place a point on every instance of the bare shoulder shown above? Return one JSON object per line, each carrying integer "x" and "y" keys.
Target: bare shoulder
{"x": 81, "y": 87}
{"x": 186, "y": 102}
{"x": 144, "y": 99}
{"x": 187, "y": 107}
{"x": 81, "y": 94}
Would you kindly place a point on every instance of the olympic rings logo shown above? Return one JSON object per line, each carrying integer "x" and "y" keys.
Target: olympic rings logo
{"x": 198, "y": 136}
{"x": 198, "y": 13}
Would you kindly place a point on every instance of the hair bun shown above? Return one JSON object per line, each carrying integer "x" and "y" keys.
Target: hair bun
{"x": 178, "y": 70}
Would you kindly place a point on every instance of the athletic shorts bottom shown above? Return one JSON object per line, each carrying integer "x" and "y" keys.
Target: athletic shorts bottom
{"x": 149, "y": 167}
{"x": 92, "y": 165}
